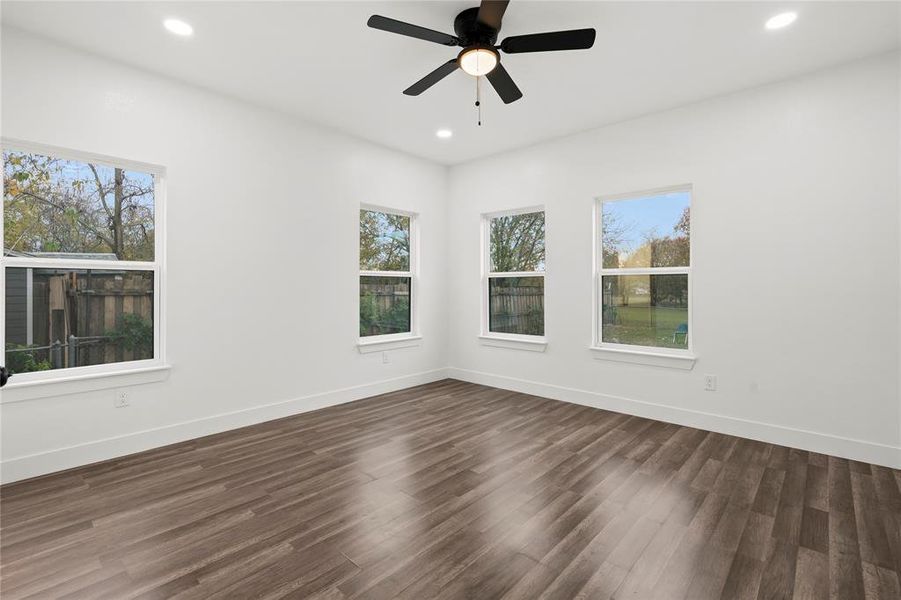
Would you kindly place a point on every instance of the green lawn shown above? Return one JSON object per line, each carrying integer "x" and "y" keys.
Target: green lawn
{"x": 646, "y": 326}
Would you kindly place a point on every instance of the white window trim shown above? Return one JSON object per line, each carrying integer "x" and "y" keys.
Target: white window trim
{"x": 25, "y": 386}
{"x": 530, "y": 343}
{"x": 83, "y": 382}
{"x": 514, "y": 341}
{"x": 642, "y": 355}
{"x": 393, "y": 341}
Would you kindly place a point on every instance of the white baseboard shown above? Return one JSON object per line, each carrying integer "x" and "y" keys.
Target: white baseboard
{"x": 880, "y": 454}
{"x": 33, "y": 465}
{"x": 24, "y": 467}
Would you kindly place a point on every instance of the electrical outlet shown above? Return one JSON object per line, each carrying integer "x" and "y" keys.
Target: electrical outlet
{"x": 121, "y": 400}
{"x": 385, "y": 358}
{"x": 710, "y": 383}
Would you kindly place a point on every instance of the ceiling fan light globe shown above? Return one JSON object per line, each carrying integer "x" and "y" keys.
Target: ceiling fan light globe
{"x": 478, "y": 61}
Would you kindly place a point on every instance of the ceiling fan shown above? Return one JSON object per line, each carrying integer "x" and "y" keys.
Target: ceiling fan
{"x": 477, "y": 29}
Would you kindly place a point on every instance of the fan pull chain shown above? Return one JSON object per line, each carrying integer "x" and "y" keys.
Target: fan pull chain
{"x": 479, "y": 99}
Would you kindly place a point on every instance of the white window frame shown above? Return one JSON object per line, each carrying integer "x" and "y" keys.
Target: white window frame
{"x": 24, "y": 386}
{"x": 515, "y": 341}
{"x": 392, "y": 341}
{"x": 649, "y": 355}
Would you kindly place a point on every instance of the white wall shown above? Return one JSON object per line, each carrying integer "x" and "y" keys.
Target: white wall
{"x": 262, "y": 244}
{"x": 795, "y": 261}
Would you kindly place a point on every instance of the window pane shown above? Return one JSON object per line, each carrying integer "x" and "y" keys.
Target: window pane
{"x": 517, "y": 243}
{"x": 645, "y": 310}
{"x": 61, "y": 318}
{"x": 516, "y": 305}
{"x": 57, "y": 207}
{"x": 647, "y": 232}
{"x": 384, "y": 241}
{"x": 384, "y": 305}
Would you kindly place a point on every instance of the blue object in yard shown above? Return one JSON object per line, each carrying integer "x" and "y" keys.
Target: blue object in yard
{"x": 681, "y": 329}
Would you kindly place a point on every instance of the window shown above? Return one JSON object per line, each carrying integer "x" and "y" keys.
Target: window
{"x": 645, "y": 269}
{"x": 514, "y": 267}
{"x": 387, "y": 267}
{"x": 81, "y": 263}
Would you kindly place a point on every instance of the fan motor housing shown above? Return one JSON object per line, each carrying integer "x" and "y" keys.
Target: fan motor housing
{"x": 471, "y": 32}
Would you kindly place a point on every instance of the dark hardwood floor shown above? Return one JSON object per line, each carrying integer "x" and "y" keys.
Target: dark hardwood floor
{"x": 453, "y": 490}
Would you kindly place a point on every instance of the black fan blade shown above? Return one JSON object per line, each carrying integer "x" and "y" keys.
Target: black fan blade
{"x": 575, "y": 39}
{"x": 503, "y": 84}
{"x": 491, "y": 12}
{"x": 415, "y": 31}
{"x": 432, "y": 78}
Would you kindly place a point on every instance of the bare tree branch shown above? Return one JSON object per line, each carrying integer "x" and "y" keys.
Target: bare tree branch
{"x": 61, "y": 208}
{"x": 100, "y": 190}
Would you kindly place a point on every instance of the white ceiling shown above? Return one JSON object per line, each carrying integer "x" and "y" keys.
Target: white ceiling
{"x": 318, "y": 60}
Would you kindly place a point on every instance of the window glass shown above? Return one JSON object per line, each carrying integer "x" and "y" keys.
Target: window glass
{"x": 645, "y": 268}
{"x": 516, "y": 305}
{"x": 517, "y": 243}
{"x": 651, "y": 231}
{"x": 384, "y": 305}
{"x": 645, "y": 310}
{"x": 61, "y": 208}
{"x": 384, "y": 241}
{"x": 64, "y": 318}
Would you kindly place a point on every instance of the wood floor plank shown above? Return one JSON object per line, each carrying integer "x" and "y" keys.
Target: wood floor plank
{"x": 454, "y": 490}
{"x": 743, "y": 580}
{"x": 845, "y": 569}
{"x": 811, "y": 575}
{"x": 780, "y": 570}
{"x": 814, "y": 533}
{"x": 874, "y": 544}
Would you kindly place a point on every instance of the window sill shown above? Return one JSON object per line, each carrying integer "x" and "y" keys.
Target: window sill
{"x": 532, "y": 344}
{"x": 380, "y": 344}
{"x": 684, "y": 362}
{"x": 19, "y": 391}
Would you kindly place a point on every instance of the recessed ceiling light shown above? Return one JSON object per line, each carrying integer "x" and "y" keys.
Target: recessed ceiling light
{"x": 781, "y": 20}
{"x": 178, "y": 27}
{"x": 444, "y": 133}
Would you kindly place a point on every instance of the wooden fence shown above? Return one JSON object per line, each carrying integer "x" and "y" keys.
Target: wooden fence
{"x": 384, "y": 305}
{"x": 91, "y": 306}
{"x": 517, "y": 310}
